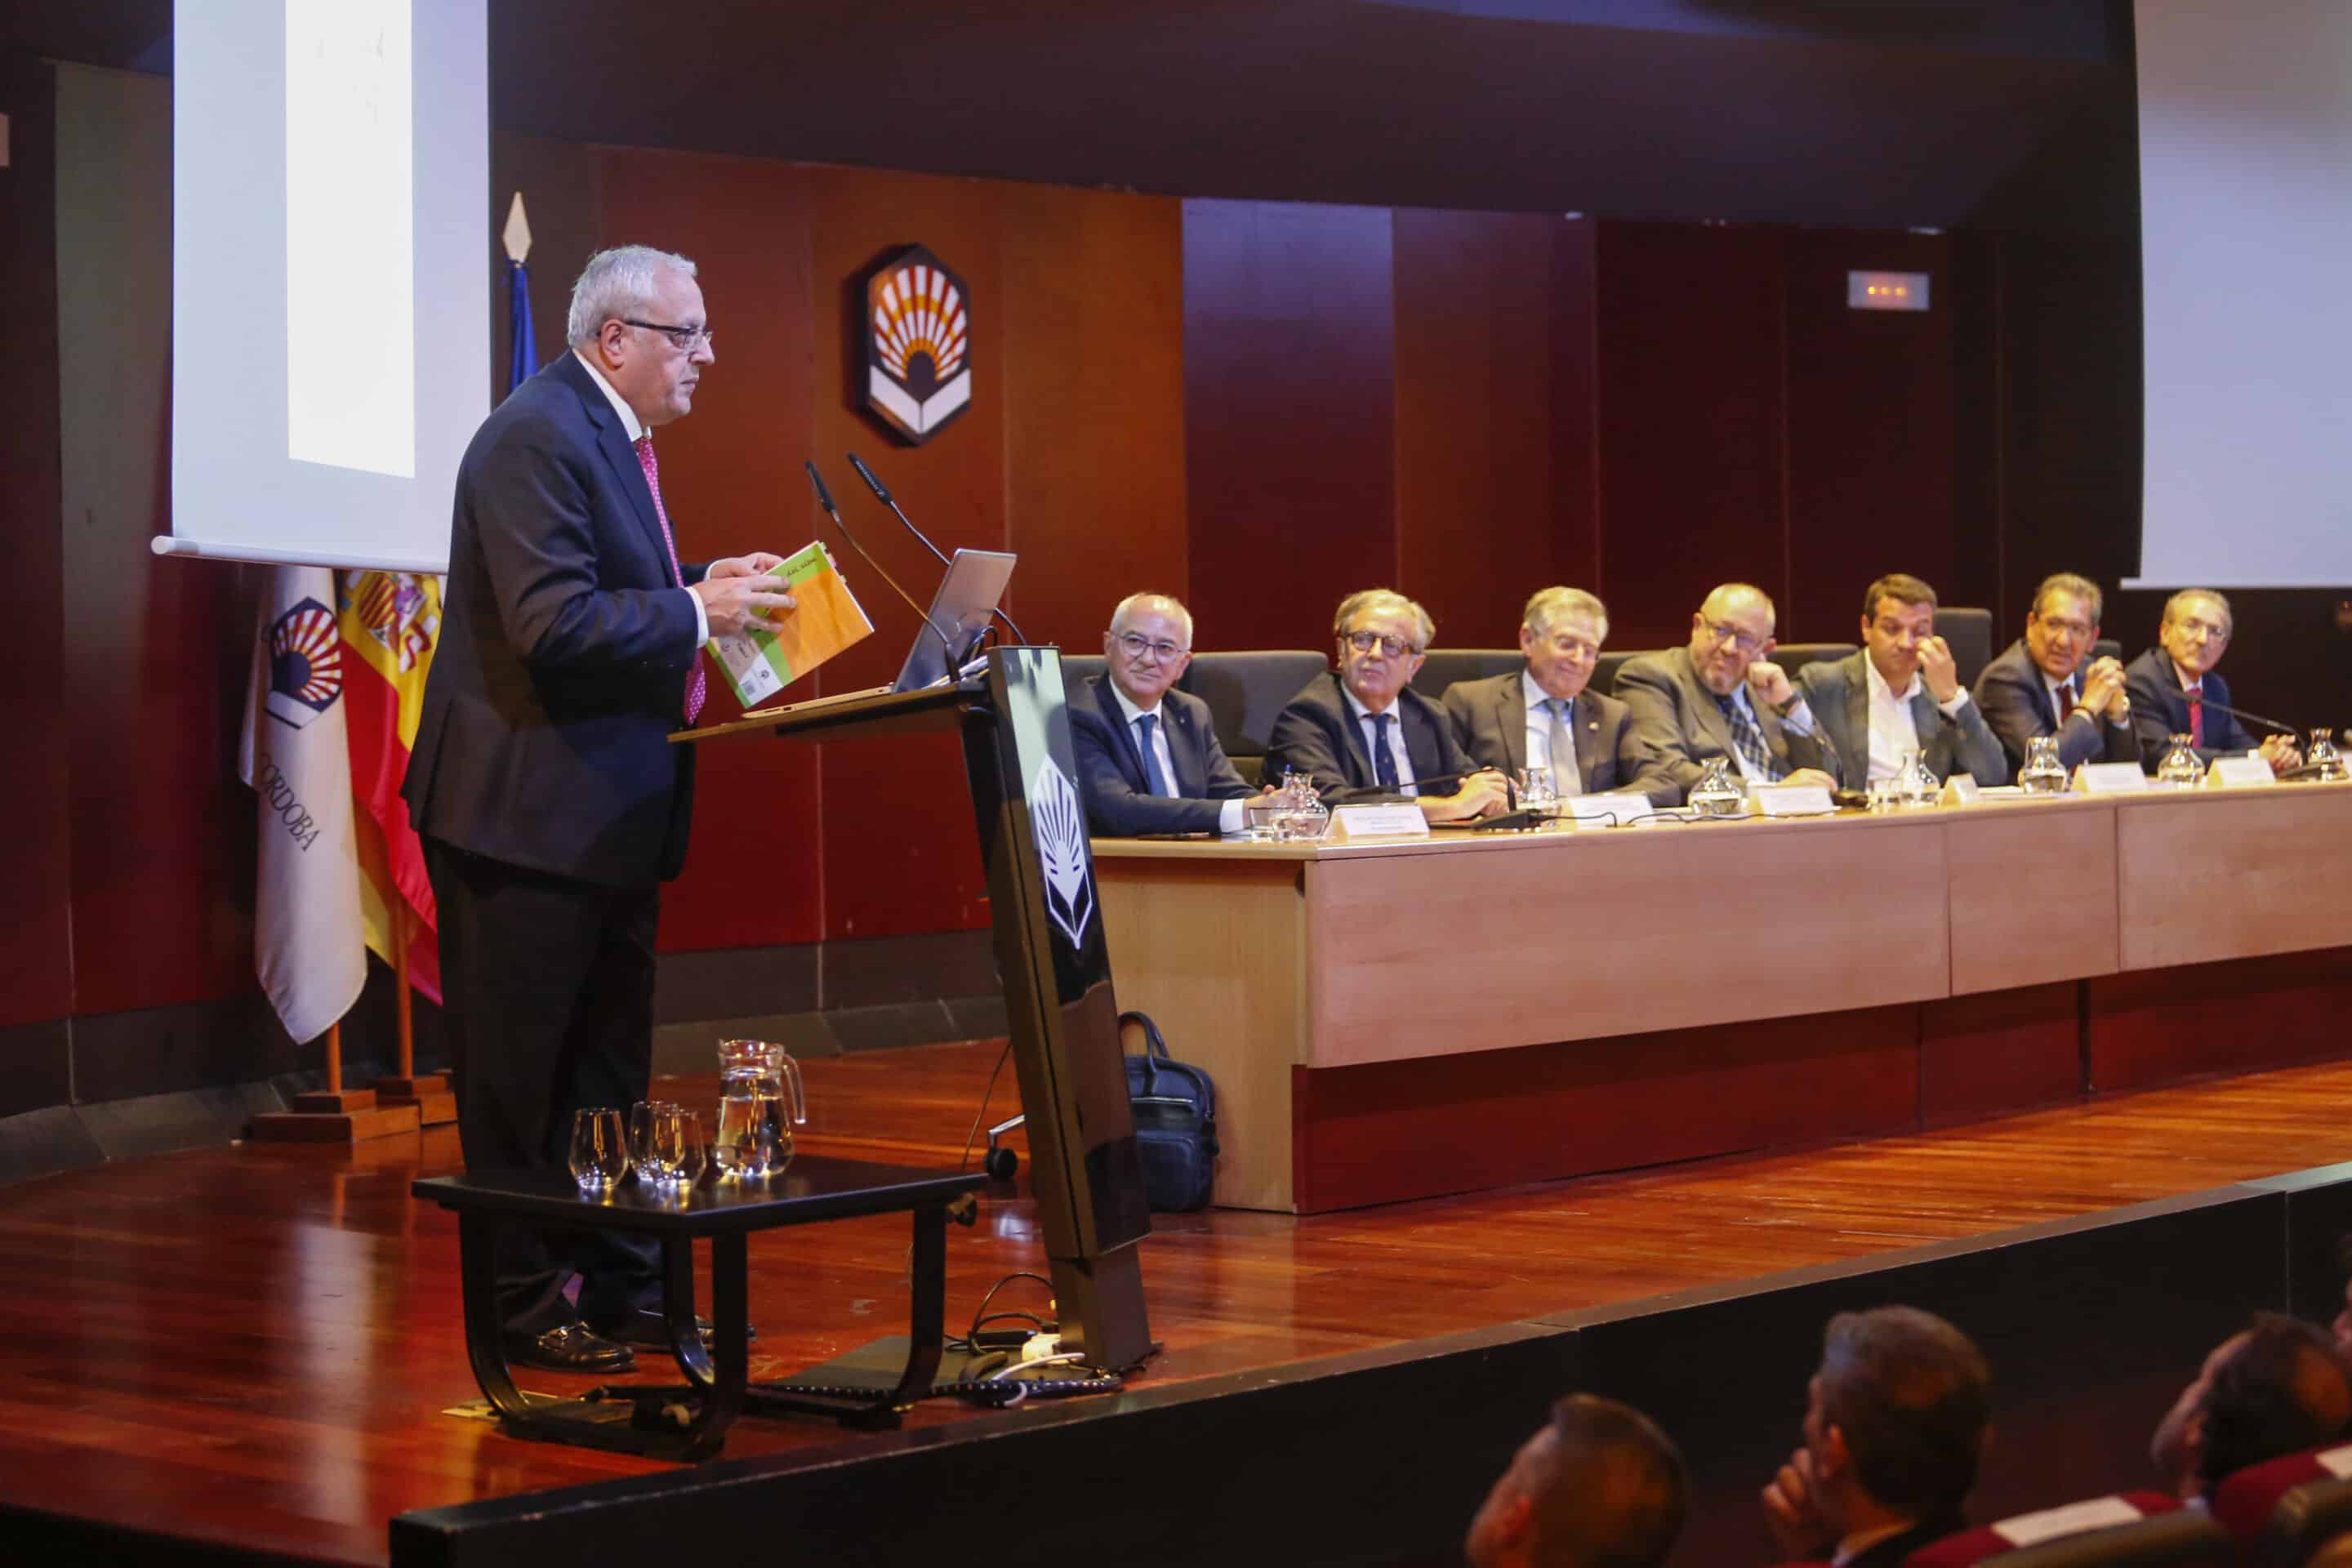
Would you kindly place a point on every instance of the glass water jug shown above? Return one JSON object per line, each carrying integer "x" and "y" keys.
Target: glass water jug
{"x": 2180, "y": 767}
{"x": 1915, "y": 785}
{"x": 2043, "y": 773}
{"x": 1718, "y": 793}
{"x": 2325, "y": 763}
{"x": 755, "y": 1120}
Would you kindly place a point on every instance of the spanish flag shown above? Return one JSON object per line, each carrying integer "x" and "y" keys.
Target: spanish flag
{"x": 390, "y": 621}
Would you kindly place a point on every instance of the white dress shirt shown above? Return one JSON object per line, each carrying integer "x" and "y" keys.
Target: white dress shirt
{"x": 1229, "y": 813}
{"x": 1538, "y": 703}
{"x": 1893, "y": 735}
{"x": 635, "y": 429}
{"x": 1370, "y": 732}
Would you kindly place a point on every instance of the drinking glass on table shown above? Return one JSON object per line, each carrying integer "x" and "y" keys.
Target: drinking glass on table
{"x": 2043, "y": 773}
{"x": 600, "y": 1150}
{"x": 693, "y": 1157}
{"x": 1536, "y": 792}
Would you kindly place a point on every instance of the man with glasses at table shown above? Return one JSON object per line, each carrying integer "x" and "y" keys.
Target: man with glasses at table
{"x": 1364, "y": 736}
{"x": 1722, "y": 697}
{"x": 2040, "y": 685}
{"x": 2174, "y": 690}
{"x": 1148, "y": 756}
{"x": 550, "y": 800}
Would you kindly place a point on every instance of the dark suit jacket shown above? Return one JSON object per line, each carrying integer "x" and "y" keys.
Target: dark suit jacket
{"x": 561, "y": 669}
{"x": 2016, "y": 703}
{"x": 2160, "y": 710}
{"x": 1110, "y": 766}
{"x": 1677, "y": 720}
{"x": 1839, "y": 696}
{"x": 1891, "y": 1551}
{"x": 1316, "y": 733}
{"x": 1490, "y": 722}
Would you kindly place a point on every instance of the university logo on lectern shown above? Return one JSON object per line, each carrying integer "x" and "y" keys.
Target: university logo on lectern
{"x": 1060, "y": 821}
{"x": 306, "y": 664}
{"x": 918, "y": 344}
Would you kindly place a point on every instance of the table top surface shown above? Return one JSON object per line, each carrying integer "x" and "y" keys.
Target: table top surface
{"x": 1450, "y": 839}
{"x": 812, "y": 1187}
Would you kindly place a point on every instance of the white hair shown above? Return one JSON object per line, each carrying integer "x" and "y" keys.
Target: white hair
{"x": 1550, "y": 606}
{"x": 616, "y": 284}
{"x": 1381, "y": 601}
{"x": 1167, "y": 603}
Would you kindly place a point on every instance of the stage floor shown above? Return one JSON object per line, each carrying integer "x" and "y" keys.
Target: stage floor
{"x": 256, "y": 1347}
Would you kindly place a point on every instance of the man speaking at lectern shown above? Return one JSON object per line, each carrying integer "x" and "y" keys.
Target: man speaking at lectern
{"x": 543, "y": 784}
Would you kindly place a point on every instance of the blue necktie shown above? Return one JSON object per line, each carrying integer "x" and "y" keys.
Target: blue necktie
{"x": 1383, "y": 759}
{"x": 1749, "y": 740}
{"x": 1154, "y": 782}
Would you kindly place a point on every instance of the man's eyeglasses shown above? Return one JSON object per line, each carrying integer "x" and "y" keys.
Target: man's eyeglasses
{"x": 1137, "y": 645}
{"x": 2191, "y": 625}
{"x": 686, "y": 339}
{"x": 2078, "y": 630}
{"x": 1364, "y": 642}
{"x": 1718, "y": 633}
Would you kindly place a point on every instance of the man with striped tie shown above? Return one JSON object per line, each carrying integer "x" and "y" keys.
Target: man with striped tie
{"x": 1723, "y": 697}
{"x": 549, "y": 800}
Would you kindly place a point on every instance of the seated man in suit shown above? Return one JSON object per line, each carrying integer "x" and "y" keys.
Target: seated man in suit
{"x": 2275, "y": 1388}
{"x": 1901, "y": 694}
{"x": 2039, "y": 685}
{"x": 1148, "y": 756}
{"x": 1896, "y": 1422}
{"x": 1543, "y": 717}
{"x": 2169, "y": 685}
{"x": 1721, "y": 697}
{"x": 1362, "y": 735}
{"x": 1598, "y": 1486}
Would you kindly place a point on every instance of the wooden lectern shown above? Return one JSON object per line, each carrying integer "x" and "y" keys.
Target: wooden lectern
{"x": 1086, "y": 1171}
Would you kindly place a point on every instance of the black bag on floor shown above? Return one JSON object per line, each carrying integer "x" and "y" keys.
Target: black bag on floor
{"x": 1175, "y": 1122}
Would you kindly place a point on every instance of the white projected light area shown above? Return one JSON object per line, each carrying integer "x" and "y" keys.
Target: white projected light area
{"x": 2245, "y": 117}
{"x": 350, "y": 374}
{"x": 332, "y": 260}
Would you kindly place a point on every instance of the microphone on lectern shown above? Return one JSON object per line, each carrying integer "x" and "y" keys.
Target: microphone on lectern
{"x": 825, "y": 499}
{"x": 883, "y": 495}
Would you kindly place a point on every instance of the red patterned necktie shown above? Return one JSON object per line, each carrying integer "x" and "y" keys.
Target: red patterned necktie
{"x": 696, "y": 686}
{"x": 2197, "y": 716}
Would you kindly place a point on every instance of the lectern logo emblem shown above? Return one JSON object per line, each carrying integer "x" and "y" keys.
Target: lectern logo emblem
{"x": 917, "y": 344}
{"x": 1061, "y": 827}
{"x": 306, "y": 664}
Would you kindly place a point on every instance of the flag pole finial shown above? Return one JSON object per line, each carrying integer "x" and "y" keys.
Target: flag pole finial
{"x": 517, "y": 233}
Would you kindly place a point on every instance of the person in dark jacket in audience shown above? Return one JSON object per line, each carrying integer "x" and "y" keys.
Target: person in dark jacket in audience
{"x": 2275, "y": 1387}
{"x": 1896, "y": 1422}
{"x": 1598, "y": 1486}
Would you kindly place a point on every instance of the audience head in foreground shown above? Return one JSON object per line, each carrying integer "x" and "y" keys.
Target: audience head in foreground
{"x": 2275, "y": 1387}
{"x": 1895, "y": 1421}
{"x": 1598, "y": 1486}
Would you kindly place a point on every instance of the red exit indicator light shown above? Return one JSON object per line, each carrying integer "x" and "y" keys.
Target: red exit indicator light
{"x": 1886, "y": 290}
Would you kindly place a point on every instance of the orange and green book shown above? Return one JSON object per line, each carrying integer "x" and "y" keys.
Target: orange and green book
{"x": 825, "y": 619}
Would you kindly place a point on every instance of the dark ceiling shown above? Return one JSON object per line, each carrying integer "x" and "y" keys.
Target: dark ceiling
{"x": 1778, "y": 110}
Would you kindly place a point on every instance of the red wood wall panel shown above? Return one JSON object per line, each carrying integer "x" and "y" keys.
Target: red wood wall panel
{"x": 1573, "y": 310}
{"x": 1691, "y": 421}
{"x": 901, "y": 854}
{"x": 36, "y": 791}
{"x": 1094, "y": 406}
{"x": 1870, "y": 412}
{"x": 2156, "y": 1026}
{"x": 731, "y": 482}
{"x": 1289, "y": 428}
{"x": 1473, "y": 418}
{"x": 2004, "y": 1050}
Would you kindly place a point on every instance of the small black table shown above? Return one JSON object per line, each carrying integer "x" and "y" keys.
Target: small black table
{"x": 690, "y": 1422}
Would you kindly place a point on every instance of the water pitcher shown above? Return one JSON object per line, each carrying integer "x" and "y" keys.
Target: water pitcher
{"x": 2180, "y": 767}
{"x": 1718, "y": 793}
{"x": 755, "y": 1119}
{"x": 2043, "y": 773}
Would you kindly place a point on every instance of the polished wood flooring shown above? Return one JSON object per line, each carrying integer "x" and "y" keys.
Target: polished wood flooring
{"x": 257, "y": 1346}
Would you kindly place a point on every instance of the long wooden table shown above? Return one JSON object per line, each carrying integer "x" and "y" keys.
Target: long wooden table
{"x": 1402, "y": 1019}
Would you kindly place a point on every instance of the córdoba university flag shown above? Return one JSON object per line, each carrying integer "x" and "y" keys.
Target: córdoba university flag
{"x": 306, "y": 939}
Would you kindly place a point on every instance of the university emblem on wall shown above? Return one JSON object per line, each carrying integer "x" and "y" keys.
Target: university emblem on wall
{"x": 918, "y": 344}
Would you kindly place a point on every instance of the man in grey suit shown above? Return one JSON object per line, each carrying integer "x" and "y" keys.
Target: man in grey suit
{"x": 1902, "y": 693}
{"x": 1543, "y": 717}
{"x": 1721, "y": 697}
{"x": 2046, "y": 683}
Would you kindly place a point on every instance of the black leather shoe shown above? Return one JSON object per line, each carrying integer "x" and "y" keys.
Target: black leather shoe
{"x": 650, "y": 1328}
{"x": 569, "y": 1347}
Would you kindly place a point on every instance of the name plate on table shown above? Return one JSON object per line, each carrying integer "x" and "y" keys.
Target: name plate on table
{"x": 1961, "y": 789}
{"x": 1611, "y": 810}
{"x": 2110, "y": 778}
{"x": 2238, "y": 773}
{"x": 1355, "y": 824}
{"x": 1789, "y": 800}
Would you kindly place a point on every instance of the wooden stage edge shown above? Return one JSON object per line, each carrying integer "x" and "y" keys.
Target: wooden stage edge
{"x": 250, "y": 1355}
